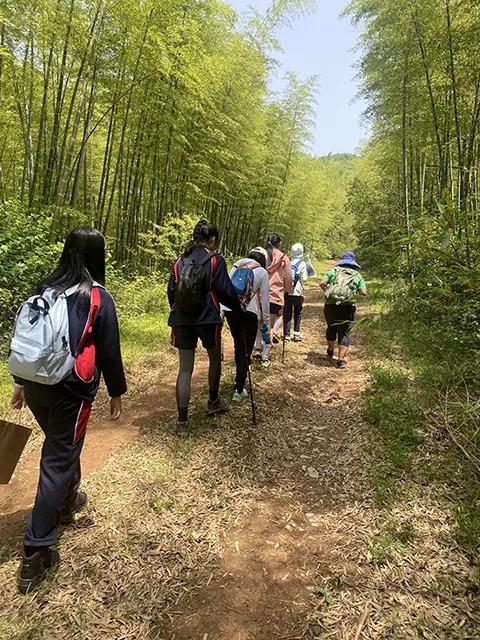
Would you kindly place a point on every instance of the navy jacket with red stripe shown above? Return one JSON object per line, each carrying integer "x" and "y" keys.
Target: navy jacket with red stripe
{"x": 221, "y": 292}
{"x": 106, "y": 335}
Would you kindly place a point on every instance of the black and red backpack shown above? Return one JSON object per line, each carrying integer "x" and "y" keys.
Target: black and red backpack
{"x": 192, "y": 283}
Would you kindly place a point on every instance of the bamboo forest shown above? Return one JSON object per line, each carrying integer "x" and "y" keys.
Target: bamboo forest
{"x": 285, "y": 443}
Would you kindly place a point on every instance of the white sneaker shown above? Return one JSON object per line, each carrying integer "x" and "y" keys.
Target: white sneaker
{"x": 297, "y": 337}
{"x": 265, "y": 363}
{"x": 240, "y": 397}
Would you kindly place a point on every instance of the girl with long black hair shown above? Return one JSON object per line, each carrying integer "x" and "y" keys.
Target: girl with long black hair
{"x": 62, "y": 410}
{"x": 203, "y": 320}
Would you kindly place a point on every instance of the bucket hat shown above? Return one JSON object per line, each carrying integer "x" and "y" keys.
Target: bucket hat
{"x": 349, "y": 259}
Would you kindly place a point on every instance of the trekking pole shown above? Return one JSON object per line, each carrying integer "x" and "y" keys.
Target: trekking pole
{"x": 254, "y": 414}
{"x": 247, "y": 360}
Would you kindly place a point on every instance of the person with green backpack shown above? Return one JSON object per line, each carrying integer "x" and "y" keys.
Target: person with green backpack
{"x": 342, "y": 285}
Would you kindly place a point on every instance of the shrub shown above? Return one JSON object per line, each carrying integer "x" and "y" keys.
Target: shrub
{"x": 26, "y": 254}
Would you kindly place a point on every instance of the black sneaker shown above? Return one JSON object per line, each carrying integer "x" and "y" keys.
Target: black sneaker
{"x": 181, "y": 429}
{"x": 36, "y": 567}
{"x": 216, "y": 406}
{"x": 341, "y": 364}
{"x": 67, "y": 514}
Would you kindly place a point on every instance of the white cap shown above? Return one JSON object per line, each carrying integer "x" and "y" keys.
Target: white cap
{"x": 297, "y": 250}
{"x": 262, "y": 251}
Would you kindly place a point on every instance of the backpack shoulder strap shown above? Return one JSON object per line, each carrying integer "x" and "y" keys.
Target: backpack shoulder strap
{"x": 214, "y": 258}
{"x": 95, "y": 302}
{"x": 207, "y": 258}
{"x": 176, "y": 268}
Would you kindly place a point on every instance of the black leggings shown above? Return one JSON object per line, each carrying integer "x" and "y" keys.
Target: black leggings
{"x": 184, "y": 380}
{"x": 244, "y": 331}
{"x": 293, "y": 307}
{"x": 339, "y": 318}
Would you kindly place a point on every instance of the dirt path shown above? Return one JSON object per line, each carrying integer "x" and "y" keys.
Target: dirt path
{"x": 103, "y": 439}
{"x": 278, "y": 555}
{"x": 242, "y": 533}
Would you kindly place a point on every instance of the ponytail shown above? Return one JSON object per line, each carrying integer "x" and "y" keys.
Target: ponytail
{"x": 202, "y": 233}
{"x": 273, "y": 241}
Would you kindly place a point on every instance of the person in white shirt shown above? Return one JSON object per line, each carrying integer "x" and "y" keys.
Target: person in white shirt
{"x": 244, "y": 328}
{"x": 294, "y": 301}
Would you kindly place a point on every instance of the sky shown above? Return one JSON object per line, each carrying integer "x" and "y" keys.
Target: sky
{"x": 323, "y": 44}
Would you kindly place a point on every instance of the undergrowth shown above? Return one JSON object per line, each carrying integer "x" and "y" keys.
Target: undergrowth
{"x": 143, "y": 309}
{"x": 423, "y": 402}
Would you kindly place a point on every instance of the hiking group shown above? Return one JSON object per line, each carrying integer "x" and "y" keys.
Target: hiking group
{"x": 66, "y": 336}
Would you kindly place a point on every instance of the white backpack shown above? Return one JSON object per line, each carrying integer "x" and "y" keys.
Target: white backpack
{"x": 40, "y": 349}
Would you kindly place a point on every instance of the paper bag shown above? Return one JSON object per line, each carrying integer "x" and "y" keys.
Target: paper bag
{"x": 13, "y": 438}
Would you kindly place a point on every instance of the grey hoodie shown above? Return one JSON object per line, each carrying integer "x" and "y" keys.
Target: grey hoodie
{"x": 260, "y": 303}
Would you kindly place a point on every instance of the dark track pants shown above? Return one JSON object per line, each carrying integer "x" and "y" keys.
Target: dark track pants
{"x": 63, "y": 418}
{"x": 339, "y": 318}
{"x": 293, "y": 307}
{"x": 244, "y": 331}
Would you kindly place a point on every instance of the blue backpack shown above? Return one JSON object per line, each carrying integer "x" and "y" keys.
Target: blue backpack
{"x": 243, "y": 279}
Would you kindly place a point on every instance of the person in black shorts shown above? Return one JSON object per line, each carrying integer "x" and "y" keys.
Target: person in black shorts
{"x": 342, "y": 285}
{"x": 203, "y": 323}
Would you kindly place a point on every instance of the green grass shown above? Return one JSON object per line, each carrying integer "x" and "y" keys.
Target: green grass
{"x": 322, "y": 266}
{"x": 421, "y": 368}
{"x": 392, "y": 538}
{"x": 143, "y": 336}
{"x": 393, "y": 406}
{"x": 5, "y": 384}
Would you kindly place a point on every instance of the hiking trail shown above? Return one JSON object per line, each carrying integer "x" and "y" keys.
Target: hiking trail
{"x": 244, "y": 533}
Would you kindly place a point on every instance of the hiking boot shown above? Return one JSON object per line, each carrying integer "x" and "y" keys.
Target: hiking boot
{"x": 265, "y": 363}
{"x": 67, "y": 514}
{"x": 217, "y": 406}
{"x": 181, "y": 428}
{"x": 240, "y": 397}
{"x": 341, "y": 364}
{"x": 297, "y": 337}
{"x": 36, "y": 567}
